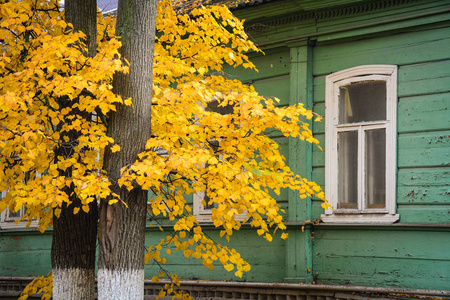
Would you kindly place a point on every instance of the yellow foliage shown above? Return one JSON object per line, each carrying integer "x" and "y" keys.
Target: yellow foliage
{"x": 40, "y": 285}
{"x": 190, "y": 51}
{"x": 42, "y": 62}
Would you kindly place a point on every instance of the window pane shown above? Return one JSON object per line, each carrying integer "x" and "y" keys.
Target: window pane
{"x": 209, "y": 206}
{"x": 16, "y": 215}
{"x": 223, "y": 110}
{"x": 362, "y": 102}
{"x": 375, "y": 166}
{"x": 215, "y": 145}
{"x": 348, "y": 169}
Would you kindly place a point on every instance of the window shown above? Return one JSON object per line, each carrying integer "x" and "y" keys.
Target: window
{"x": 203, "y": 212}
{"x": 360, "y": 145}
{"x": 13, "y": 216}
{"x": 202, "y": 206}
{"x": 8, "y": 218}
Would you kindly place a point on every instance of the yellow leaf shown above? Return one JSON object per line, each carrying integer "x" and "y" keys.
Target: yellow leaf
{"x": 325, "y": 205}
{"x": 115, "y": 148}
{"x": 188, "y": 253}
{"x": 229, "y": 267}
{"x": 85, "y": 208}
{"x": 128, "y": 101}
{"x": 76, "y": 210}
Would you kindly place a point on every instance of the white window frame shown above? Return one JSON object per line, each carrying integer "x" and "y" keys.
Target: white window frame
{"x": 6, "y": 214}
{"x": 387, "y": 73}
{"x": 202, "y": 214}
{"x": 7, "y": 222}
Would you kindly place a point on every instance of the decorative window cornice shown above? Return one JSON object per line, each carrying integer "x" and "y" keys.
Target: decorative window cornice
{"x": 271, "y": 24}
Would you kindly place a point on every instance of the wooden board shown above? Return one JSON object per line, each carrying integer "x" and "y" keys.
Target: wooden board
{"x": 424, "y": 186}
{"x": 397, "y": 49}
{"x": 424, "y": 113}
{"x": 25, "y": 253}
{"x": 427, "y": 149}
{"x": 256, "y": 250}
{"x": 374, "y": 257}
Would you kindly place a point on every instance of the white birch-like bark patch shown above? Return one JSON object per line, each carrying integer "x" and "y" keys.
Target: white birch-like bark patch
{"x": 73, "y": 284}
{"x": 120, "y": 284}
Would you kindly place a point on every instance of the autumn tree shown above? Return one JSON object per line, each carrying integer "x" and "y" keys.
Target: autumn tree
{"x": 75, "y": 235}
{"x": 160, "y": 137}
{"x": 122, "y": 226}
{"x": 50, "y": 83}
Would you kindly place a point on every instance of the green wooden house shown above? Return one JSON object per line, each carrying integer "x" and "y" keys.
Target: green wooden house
{"x": 379, "y": 73}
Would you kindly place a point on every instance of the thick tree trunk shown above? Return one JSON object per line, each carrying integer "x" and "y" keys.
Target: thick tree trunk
{"x": 74, "y": 236}
{"x": 122, "y": 229}
{"x": 73, "y": 253}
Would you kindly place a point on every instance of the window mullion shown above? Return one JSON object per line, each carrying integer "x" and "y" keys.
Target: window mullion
{"x": 361, "y": 168}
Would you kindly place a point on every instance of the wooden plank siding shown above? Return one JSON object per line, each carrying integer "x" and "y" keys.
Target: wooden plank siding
{"x": 370, "y": 256}
{"x": 423, "y": 186}
{"x": 424, "y": 112}
{"x": 275, "y": 84}
{"x": 395, "y": 256}
{"x": 274, "y": 63}
{"x": 25, "y": 253}
{"x": 266, "y": 263}
{"x": 382, "y": 257}
{"x": 413, "y": 47}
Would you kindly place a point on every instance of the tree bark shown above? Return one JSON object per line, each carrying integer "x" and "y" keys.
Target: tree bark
{"x": 121, "y": 228}
{"x": 74, "y": 236}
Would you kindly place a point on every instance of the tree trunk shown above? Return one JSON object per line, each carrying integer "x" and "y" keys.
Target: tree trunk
{"x": 121, "y": 228}
{"x": 73, "y": 252}
{"x": 74, "y": 236}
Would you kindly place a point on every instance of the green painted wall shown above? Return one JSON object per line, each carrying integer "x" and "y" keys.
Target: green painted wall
{"x": 383, "y": 256}
{"x": 266, "y": 262}
{"x": 396, "y": 256}
{"x": 24, "y": 253}
{"x": 423, "y": 59}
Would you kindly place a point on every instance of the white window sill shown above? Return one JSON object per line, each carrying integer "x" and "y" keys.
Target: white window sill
{"x": 357, "y": 219}
{"x": 206, "y": 218}
{"x": 20, "y": 225}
